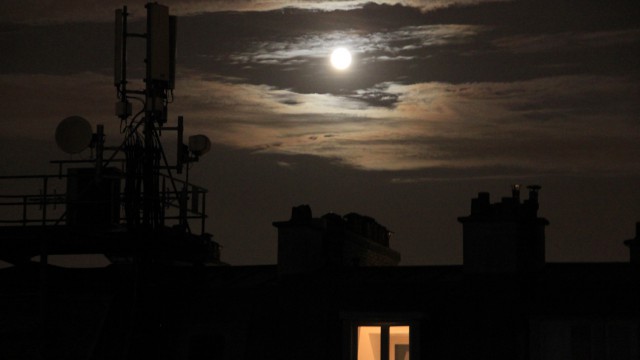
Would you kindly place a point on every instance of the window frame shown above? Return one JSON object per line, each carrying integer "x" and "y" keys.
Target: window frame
{"x": 351, "y": 322}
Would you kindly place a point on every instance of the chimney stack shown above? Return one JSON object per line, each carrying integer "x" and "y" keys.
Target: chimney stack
{"x": 634, "y": 247}
{"x": 515, "y": 193}
{"x": 309, "y": 244}
{"x": 507, "y": 236}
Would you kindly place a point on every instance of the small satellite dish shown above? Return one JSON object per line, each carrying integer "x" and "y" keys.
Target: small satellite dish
{"x": 73, "y": 134}
{"x": 199, "y": 144}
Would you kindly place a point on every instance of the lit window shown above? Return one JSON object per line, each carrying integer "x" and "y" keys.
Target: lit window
{"x": 399, "y": 343}
{"x": 369, "y": 342}
{"x": 384, "y": 342}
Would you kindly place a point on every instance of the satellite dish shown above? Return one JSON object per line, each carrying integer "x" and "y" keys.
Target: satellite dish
{"x": 73, "y": 134}
{"x": 199, "y": 144}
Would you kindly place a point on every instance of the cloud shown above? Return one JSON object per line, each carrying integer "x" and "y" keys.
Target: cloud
{"x": 389, "y": 45}
{"x": 48, "y": 12}
{"x": 41, "y": 101}
{"x": 565, "y": 41}
{"x": 300, "y": 61}
{"x": 572, "y": 123}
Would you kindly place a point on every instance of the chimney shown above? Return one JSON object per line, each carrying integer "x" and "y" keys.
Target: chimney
{"x": 481, "y": 204}
{"x": 515, "y": 193}
{"x": 308, "y": 244}
{"x": 507, "y": 236}
{"x": 301, "y": 214}
{"x": 634, "y": 247}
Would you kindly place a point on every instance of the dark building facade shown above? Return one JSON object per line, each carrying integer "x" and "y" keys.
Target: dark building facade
{"x": 335, "y": 294}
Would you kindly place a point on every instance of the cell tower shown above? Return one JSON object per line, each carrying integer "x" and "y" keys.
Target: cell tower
{"x": 159, "y": 204}
{"x": 129, "y": 203}
{"x": 145, "y": 157}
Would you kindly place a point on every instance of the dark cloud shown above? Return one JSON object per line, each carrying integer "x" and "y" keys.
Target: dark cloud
{"x": 377, "y": 97}
{"x": 57, "y": 49}
{"x": 71, "y": 11}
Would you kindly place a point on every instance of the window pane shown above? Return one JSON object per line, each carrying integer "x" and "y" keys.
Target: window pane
{"x": 399, "y": 343}
{"x": 369, "y": 342}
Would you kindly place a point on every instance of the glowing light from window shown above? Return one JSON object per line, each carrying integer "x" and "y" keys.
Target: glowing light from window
{"x": 399, "y": 343}
{"x": 369, "y": 338}
{"x": 370, "y": 342}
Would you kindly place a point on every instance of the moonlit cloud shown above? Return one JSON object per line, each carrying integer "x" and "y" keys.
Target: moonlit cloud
{"x": 391, "y": 45}
{"x": 431, "y": 125}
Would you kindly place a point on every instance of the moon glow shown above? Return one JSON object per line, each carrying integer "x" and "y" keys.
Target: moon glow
{"x": 340, "y": 58}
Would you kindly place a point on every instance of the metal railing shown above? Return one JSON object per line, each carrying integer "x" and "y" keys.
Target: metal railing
{"x": 46, "y": 199}
{"x": 190, "y": 200}
{"x": 48, "y": 204}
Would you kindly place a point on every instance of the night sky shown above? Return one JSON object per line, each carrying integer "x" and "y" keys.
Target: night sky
{"x": 444, "y": 99}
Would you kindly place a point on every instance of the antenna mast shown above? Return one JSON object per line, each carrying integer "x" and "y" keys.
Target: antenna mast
{"x": 144, "y": 151}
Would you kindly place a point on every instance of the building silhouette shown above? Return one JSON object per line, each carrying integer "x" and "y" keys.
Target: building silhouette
{"x": 505, "y": 236}
{"x": 336, "y": 293}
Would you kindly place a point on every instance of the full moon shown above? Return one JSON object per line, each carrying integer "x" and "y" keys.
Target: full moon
{"x": 340, "y": 58}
